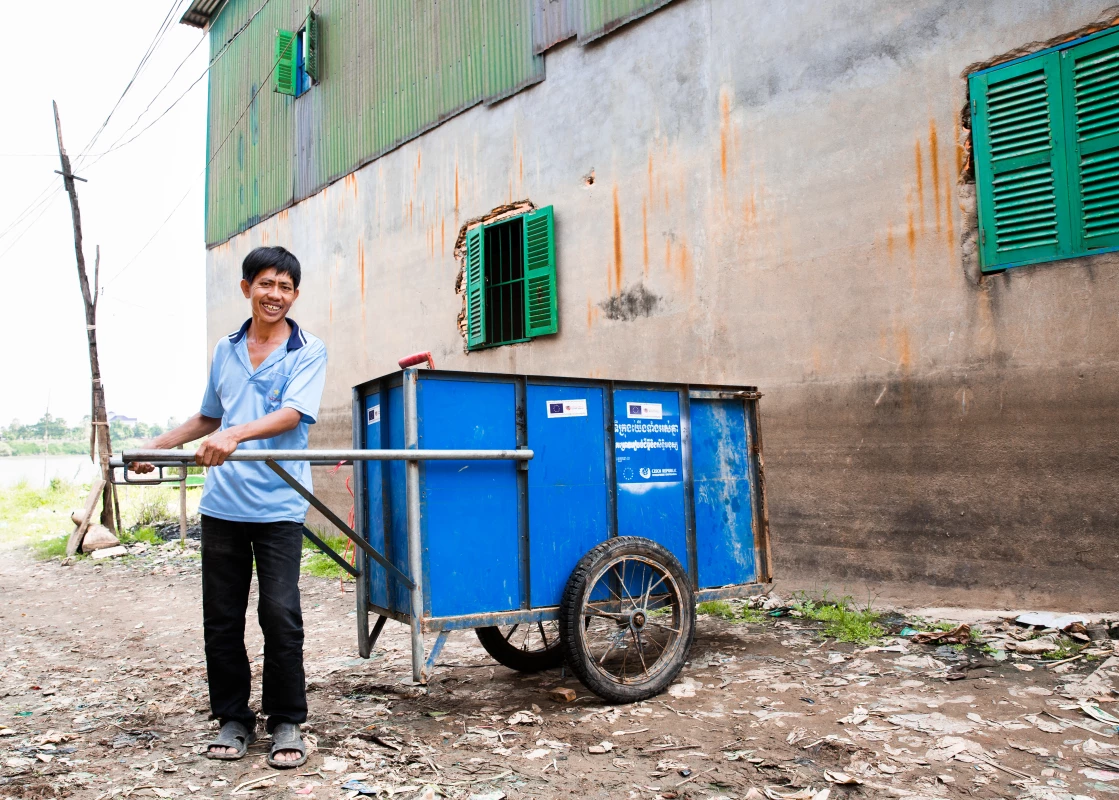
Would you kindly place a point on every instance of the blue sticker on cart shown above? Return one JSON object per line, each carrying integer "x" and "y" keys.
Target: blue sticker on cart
{"x": 647, "y": 444}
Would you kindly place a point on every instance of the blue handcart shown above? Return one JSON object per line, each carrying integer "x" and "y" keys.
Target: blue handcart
{"x": 565, "y": 520}
{"x": 617, "y": 507}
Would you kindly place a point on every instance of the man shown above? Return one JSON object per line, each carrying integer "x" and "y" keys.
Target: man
{"x": 266, "y": 381}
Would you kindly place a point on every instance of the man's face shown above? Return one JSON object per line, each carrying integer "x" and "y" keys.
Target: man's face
{"x": 271, "y": 294}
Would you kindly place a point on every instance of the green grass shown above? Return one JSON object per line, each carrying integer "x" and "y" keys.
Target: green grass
{"x": 717, "y": 608}
{"x": 39, "y": 518}
{"x": 138, "y": 535}
{"x": 842, "y": 620}
{"x": 1067, "y": 648}
{"x": 28, "y": 515}
{"x": 318, "y": 563}
{"x": 46, "y": 549}
{"x": 724, "y": 610}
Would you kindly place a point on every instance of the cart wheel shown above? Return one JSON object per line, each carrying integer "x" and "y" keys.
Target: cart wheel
{"x": 527, "y": 647}
{"x": 627, "y": 619}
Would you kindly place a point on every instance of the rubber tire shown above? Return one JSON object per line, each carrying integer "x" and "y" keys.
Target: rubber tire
{"x": 514, "y": 657}
{"x": 571, "y": 617}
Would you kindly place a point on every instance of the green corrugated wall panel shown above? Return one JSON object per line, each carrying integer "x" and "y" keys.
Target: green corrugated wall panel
{"x": 390, "y": 69}
{"x": 596, "y": 18}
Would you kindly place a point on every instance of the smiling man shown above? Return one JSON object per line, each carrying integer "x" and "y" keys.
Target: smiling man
{"x": 266, "y": 381}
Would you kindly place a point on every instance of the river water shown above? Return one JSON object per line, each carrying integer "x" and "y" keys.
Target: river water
{"x": 37, "y": 471}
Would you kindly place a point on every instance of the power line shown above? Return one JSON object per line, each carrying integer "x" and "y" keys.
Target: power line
{"x": 116, "y": 145}
{"x": 214, "y": 155}
{"x": 160, "y": 33}
{"x": 35, "y": 204}
{"x": 214, "y": 60}
{"x": 47, "y": 203}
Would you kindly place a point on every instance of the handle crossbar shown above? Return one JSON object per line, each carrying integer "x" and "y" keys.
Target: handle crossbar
{"x": 331, "y": 456}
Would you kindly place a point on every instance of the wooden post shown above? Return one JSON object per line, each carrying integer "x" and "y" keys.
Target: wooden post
{"x": 99, "y": 435}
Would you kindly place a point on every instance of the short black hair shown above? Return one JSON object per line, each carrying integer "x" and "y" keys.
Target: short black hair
{"x": 262, "y": 258}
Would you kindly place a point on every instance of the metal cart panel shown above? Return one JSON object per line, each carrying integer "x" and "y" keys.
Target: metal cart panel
{"x": 568, "y": 500}
{"x": 650, "y": 468}
{"x": 724, "y": 508}
{"x": 471, "y": 522}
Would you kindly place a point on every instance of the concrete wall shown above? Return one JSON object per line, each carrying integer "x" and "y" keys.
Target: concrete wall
{"x": 783, "y": 178}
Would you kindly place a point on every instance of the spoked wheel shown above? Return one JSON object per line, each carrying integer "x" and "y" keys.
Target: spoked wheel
{"x": 526, "y": 647}
{"x": 627, "y": 619}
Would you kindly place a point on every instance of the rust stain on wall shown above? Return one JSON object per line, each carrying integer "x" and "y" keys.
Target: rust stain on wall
{"x": 724, "y": 130}
{"x": 645, "y": 238}
{"x": 667, "y": 254}
{"x": 920, "y": 178}
{"x": 617, "y": 244}
{"x": 684, "y": 262}
{"x": 890, "y": 241}
{"x": 650, "y": 173}
{"x": 934, "y": 163}
{"x": 911, "y": 227}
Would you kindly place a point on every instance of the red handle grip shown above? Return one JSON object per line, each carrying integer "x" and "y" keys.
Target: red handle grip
{"x": 417, "y": 358}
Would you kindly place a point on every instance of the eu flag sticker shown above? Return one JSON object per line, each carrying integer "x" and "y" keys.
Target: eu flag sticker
{"x": 566, "y": 408}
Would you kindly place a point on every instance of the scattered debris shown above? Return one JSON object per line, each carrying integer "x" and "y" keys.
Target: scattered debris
{"x": 562, "y": 694}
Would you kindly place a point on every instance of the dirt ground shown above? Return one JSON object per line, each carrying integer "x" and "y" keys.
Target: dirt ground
{"x": 103, "y": 694}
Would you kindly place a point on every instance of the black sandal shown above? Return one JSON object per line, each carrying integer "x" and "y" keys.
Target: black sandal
{"x": 232, "y": 734}
{"x": 286, "y": 736}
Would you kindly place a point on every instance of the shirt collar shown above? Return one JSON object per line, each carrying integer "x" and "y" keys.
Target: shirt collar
{"x": 295, "y": 341}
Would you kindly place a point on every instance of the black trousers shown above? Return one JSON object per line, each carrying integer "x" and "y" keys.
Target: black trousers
{"x": 228, "y": 552}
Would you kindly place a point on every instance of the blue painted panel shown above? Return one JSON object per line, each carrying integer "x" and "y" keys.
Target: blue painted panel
{"x": 471, "y": 520}
{"x": 374, "y": 516}
{"x": 649, "y": 468}
{"x": 398, "y": 506}
{"x": 567, "y": 496}
{"x": 724, "y": 512}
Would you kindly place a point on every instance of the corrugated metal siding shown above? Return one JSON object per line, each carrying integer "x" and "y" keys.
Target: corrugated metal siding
{"x": 597, "y": 18}
{"x": 554, "y": 21}
{"x": 391, "y": 69}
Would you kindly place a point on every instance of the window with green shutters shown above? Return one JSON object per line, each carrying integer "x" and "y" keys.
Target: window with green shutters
{"x": 1045, "y": 135}
{"x": 511, "y": 280}
{"x": 297, "y": 58}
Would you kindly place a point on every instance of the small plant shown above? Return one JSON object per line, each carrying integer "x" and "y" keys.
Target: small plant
{"x": 144, "y": 534}
{"x": 1066, "y": 648}
{"x": 152, "y": 511}
{"x": 754, "y": 615}
{"x": 717, "y": 608}
{"x": 843, "y": 621}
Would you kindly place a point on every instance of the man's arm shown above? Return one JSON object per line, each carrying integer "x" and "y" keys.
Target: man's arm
{"x": 215, "y": 450}
{"x": 194, "y": 428}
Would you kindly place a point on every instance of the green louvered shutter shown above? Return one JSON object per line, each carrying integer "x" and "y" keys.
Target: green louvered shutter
{"x": 1020, "y": 163}
{"x": 540, "y": 273}
{"x": 1091, "y": 83}
{"x": 311, "y": 59}
{"x": 284, "y": 73}
{"x": 475, "y": 288}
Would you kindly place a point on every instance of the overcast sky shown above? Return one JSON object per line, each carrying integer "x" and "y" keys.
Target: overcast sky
{"x": 151, "y": 315}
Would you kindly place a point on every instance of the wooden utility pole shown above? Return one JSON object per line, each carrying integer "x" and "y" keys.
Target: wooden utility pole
{"x": 99, "y": 434}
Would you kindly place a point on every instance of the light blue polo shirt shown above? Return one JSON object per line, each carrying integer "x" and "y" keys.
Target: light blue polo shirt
{"x": 291, "y": 377}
